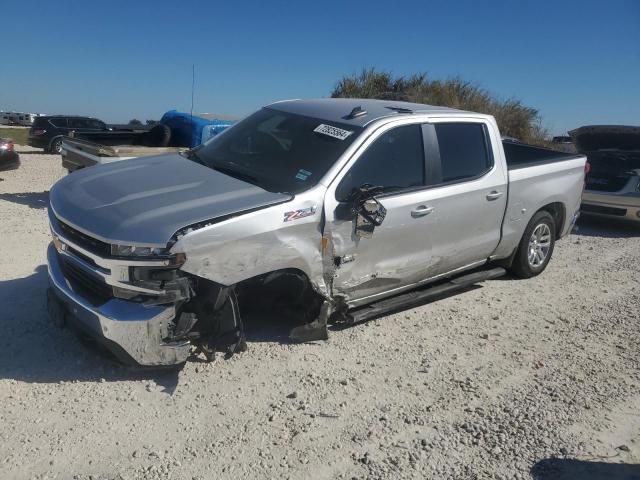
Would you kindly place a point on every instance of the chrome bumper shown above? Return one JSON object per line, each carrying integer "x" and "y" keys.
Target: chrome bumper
{"x": 625, "y": 205}
{"x": 132, "y": 331}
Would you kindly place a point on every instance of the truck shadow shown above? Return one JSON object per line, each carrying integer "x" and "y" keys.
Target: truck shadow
{"x": 30, "y": 199}
{"x": 268, "y": 326}
{"x": 570, "y": 469}
{"x": 33, "y": 350}
{"x": 606, "y": 228}
{"x": 274, "y": 325}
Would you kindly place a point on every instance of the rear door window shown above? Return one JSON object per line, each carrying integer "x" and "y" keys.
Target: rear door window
{"x": 79, "y": 123}
{"x": 59, "y": 122}
{"x": 395, "y": 162}
{"x": 94, "y": 124}
{"x": 464, "y": 151}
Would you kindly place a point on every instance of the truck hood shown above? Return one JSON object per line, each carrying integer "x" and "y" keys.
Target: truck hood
{"x": 144, "y": 201}
{"x": 595, "y": 138}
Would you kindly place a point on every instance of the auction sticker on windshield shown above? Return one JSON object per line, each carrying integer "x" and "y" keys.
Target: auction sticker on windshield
{"x": 334, "y": 132}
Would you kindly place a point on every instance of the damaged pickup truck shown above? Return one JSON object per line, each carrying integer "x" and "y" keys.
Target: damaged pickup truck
{"x": 346, "y": 209}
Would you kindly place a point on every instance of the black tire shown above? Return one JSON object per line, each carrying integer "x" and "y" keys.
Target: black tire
{"x": 56, "y": 146}
{"x": 158, "y": 136}
{"x": 527, "y": 262}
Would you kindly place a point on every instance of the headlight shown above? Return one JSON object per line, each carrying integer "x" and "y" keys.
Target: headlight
{"x": 136, "y": 251}
{"x": 150, "y": 253}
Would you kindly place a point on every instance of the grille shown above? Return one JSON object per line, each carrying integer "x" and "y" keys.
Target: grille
{"x": 88, "y": 286}
{"x": 85, "y": 241}
{"x": 604, "y": 183}
{"x": 618, "y": 212}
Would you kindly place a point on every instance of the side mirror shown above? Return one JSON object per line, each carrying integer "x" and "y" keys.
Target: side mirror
{"x": 369, "y": 215}
{"x": 362, "y": 206}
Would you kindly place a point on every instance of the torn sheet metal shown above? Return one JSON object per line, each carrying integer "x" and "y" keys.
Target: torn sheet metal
{"x": 256, "y": 243}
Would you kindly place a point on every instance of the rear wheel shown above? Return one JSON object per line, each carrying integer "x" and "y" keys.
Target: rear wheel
{"x": 56, "y": 145}
{"x": 536, "y": 246}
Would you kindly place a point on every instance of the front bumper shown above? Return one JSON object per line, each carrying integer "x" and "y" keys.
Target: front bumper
{"x": 132, "y": 331}
{"x": 625, "y": 206}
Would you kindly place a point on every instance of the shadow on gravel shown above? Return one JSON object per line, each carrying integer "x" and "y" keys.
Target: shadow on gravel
{"x": 33, "y": 350}
{"x": 268, "y": 327}
{"x": 30, "y": 199}
{"x": 569, "y": 469}
{"x": 605, "y": 228}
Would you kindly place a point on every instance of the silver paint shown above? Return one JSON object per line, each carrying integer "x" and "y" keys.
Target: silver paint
{"x": 466, "y": 225}
{"x": 146, "y": 200}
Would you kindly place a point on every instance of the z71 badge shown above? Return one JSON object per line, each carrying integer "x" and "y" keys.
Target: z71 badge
{"x": 296, "y": 214}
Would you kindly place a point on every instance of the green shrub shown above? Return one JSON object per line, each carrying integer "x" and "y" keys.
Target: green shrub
{"x": 19, "y": 135}
{"x": 514, "y": 118}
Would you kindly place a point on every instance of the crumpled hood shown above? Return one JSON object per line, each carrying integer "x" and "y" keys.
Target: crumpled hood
{"x": 144, "y": 201}
{"x": 606, "y": 137}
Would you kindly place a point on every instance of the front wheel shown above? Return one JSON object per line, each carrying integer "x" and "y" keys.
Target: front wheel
{"x": 536, "y": 246}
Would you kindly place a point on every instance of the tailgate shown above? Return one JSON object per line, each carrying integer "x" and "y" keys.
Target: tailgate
{"x": 78, "y": 153}
{"x": 86, "y": 146}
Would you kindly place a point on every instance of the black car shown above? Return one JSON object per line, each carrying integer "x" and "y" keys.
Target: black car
{"x": 47, "y": 132}
{"x": 9, "y": 159}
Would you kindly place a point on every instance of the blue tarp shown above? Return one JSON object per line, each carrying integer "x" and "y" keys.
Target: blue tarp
{"x": 188, "y": 131}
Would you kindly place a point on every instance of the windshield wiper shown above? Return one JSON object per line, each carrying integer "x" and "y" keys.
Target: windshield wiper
{"x": 236, "y": 174}
{"x": 192, "y": 155}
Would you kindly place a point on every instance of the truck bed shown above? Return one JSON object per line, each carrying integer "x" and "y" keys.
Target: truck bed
{"x": 78, "y": 153}
{"x": 521, "y": 155}
{"x": 538, "y": 177}
{"x": 112, "y": 137}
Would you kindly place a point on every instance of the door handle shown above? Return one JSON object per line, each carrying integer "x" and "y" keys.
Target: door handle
{"x": 421, "y": 211}
{"x": 494, "y": 195}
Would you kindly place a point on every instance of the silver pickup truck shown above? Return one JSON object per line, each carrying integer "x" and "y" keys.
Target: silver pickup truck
{"x": 338, "y": 210}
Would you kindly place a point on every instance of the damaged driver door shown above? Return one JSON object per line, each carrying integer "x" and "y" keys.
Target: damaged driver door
{"x": 377, "y": 229}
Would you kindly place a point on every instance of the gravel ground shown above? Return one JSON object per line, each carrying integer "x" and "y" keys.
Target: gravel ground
{"x": 516, "y": 379}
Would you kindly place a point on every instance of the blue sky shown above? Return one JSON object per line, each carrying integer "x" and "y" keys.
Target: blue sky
{"x": 578, "y": 62}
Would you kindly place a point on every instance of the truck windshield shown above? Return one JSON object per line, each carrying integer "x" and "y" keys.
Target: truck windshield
{"x": 278, "y": 151}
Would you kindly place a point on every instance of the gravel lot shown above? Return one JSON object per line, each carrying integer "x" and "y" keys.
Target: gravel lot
{"x": 516, "y": 379}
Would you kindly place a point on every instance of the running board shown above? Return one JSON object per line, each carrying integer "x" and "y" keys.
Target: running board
{"x": 418, "y": 297}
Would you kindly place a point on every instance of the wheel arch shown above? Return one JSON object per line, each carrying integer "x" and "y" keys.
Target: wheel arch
{"x": 276, "y": 276}
{"x": 290, "y": 289}
{"x": 558, "y": 212}
{"x": 53, "y": 139}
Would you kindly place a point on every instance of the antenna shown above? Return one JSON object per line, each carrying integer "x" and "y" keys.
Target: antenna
{"x": 193, "y": 84}
{"x": 356, "y": 112}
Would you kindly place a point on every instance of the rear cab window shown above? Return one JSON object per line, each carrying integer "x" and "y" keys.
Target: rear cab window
{"x": 78, "y": 123}
{"x": 465, "y": 151}
{"x": 94, "y": 124}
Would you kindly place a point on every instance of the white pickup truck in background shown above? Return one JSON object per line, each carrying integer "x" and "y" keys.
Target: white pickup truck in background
{"x": 344, "y": 209}
{"x": 176, "y": 131}
{"x": 78, "y": 152}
